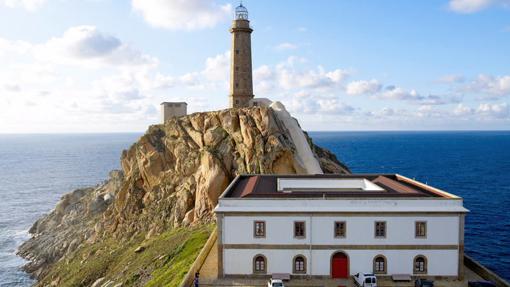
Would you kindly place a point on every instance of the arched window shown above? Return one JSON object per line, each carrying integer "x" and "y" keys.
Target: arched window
{"x": 259, "y": 264}
{"x": 299, "y": 264}
{"x": 380, "y": 264}
{"x": 420, "y": 264}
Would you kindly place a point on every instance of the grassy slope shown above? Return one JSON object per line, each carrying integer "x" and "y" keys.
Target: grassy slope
{"x": 164, "y": 262}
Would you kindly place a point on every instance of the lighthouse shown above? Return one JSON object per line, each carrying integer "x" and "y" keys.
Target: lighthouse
{"x": 241, "y": 79}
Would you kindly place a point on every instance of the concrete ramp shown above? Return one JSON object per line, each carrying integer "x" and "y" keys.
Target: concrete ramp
{"x": 203, "y": 262}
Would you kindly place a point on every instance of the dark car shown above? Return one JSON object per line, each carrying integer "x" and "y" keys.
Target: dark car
{"x": 481, "y": 284}
{"x": 423, "y": 283}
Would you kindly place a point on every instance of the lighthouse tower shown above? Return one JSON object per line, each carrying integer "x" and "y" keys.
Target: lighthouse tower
{"x": 241, "y": 81}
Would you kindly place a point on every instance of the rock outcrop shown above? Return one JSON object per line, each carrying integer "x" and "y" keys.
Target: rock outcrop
{"x": 171, "y": 177}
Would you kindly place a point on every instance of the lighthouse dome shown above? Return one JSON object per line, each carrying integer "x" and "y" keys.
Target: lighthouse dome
{"x": 241, "y": 12}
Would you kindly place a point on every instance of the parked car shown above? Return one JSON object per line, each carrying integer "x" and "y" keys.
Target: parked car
{"x": 423, "y": 283}
{"x": 275, "y": 283}
{"x": 481, "y": 284}
{"x": 365, "y": 279}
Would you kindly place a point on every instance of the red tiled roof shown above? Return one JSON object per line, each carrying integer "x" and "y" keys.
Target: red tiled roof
{"x": 265, "y": 186}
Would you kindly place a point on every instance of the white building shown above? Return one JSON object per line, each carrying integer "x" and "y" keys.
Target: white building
{"x": 173, "y": 110}
{"x": 333, "y": 226}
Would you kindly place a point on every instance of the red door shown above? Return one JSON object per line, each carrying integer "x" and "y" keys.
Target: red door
{"x": 340, "y": 266}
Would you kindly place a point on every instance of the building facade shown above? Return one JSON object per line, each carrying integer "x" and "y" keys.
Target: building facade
{"x": 241, "y": 80}
{"x": 334, "y": 226}
{"x": 173, "y": 110}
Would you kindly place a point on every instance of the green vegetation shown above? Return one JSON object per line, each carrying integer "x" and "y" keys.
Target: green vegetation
{"x": 164, "y": 261}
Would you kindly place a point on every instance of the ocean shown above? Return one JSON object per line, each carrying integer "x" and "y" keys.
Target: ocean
{"x": 36, "y": 170}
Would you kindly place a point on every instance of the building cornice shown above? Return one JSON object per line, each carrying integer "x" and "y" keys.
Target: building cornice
{"x": 339, "y": 213}
{"x": 342, "y": 246}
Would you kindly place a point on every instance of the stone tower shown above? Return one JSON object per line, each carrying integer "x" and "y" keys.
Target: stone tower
{"x": 241, "y": 82}
{"x": 173, "y": 110}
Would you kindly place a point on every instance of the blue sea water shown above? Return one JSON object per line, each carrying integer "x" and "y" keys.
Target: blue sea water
{"x": 36, "y": 170}
{"x": 473, "y": 165}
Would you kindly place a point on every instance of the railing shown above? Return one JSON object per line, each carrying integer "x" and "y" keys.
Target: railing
{"x": 485, "y": 273}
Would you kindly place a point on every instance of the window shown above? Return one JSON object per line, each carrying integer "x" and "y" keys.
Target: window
{"x": 259, "y": 264}
{"x": 299, "y": 264}
{"x": 380, "y": 264}
{"x": 420, "y": 264}
{"x": 237, "y": 68}
{"x": 237, "y": 85}
{"x": 237, "y": 51}
{"x": 259, "y": 229}
{"x": 340, "y": 229}
{"x": 421, "y": 229}
{"x": 299, "y": 229}
{"x": 380, "y": 229}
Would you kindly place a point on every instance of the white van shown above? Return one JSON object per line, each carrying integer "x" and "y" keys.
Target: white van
{"x": 365, "y": 279}
{"x": 275, "y": 283}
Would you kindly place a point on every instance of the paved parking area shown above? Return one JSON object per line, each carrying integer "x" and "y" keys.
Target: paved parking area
{"x": 469, "y": 275}
{"x": 209, "y": 271}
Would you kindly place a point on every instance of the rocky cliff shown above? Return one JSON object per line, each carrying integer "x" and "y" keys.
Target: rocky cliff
{"x": 171, "y": 177}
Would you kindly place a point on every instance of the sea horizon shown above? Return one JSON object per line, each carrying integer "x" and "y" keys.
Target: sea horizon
{"x": 308, "y": 131}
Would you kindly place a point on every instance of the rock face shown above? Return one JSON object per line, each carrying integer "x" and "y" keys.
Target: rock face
{"x": 171, "y": 177}
{"x": 70, "y": 224}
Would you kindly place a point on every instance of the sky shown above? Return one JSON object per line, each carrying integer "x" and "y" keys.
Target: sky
{"x": 106, "y": 65}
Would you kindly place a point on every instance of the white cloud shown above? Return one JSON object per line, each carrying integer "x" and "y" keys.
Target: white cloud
{"x": 8, "y": 47}
{"x": 30, "y": 5}
{"x": 262, "y": 73}
{"x": 388, "y": 112}
{"x": 435, "y": 100}
{"x": 53, "y": 84}
{"x": 400, "y": 94}
{"x": 484, "y": 111}
{"x": 337, "y": 76}
{"x": 304, "y": 103}
{"x": 217, "y": 68}
{"x": 334, "y": 106}
{"x": 469, "y": 6}
{"x": 293, "y": 76}
{"x": 472, "y": 6}
{"x": 182, "y": 14}
{"x": 87, "y": 46}
{"x": 498, "y": 111}
{"x": 463, "y": 110}
{"x": 384, "y": 113}
{"x": 491, "y": 85}
{"x": 314, "y": 78}
{"x": 263, "y": 79}
{"x": 215, "y": 75}
{"x": 363, "y": 87}
{"x": 397, "y": 93}
{"x": 302, "y": 89}
{"x": 318, "y": 78}
{"x": 286, "y": 46}
{"x": 452, "y": 79}
{"x": 12, "y": 87}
